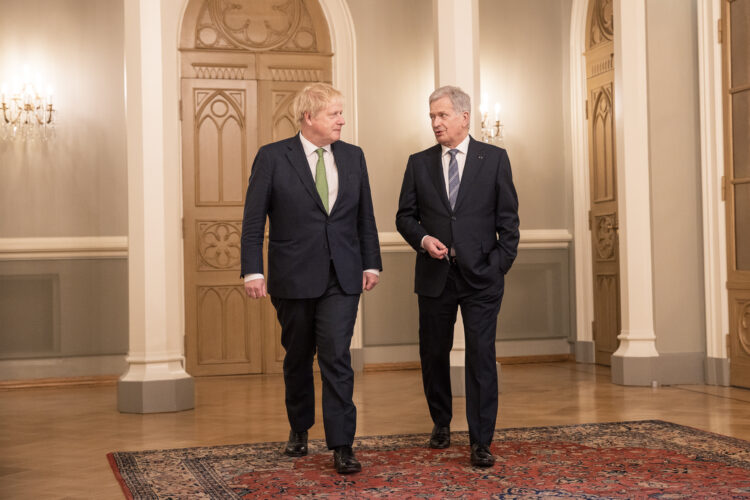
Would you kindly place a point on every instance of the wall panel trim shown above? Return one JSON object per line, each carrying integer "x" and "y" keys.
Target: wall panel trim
{"x": 78, "y": 247}
{"x": 543, "y": 239}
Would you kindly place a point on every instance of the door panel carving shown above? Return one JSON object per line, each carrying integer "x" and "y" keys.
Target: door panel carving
{"x": 602, "y": 136}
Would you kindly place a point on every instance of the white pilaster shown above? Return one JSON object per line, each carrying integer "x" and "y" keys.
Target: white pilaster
{"x": 712, "y": 169}
{"x": 344, "y": 43}
{"x": 580, "y": 173}
{"x": 156, "y": 380}
{"x": 456, "y": 32}
{"x": 637, "y": 339}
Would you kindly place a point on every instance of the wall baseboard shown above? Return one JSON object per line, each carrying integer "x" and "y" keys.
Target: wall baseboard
{"x": 8, "y": 385}
{"x": 62, "y": 368}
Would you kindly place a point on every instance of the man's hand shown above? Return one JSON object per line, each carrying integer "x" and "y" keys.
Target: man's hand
{"x": 434, "y": 247}
{"x": 256, "y": 289}
{"x": 369, "y": 281}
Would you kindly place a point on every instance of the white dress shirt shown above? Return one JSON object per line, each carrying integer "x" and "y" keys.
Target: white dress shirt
{"x": 332, "y": 177}
{"x": 463, "y": 149}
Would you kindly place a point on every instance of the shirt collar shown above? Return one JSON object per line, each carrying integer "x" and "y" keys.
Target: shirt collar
{"x": 462, "y": 147}
{"x": 309, "y": 147}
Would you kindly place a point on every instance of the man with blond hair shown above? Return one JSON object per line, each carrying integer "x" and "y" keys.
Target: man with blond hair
{"x": 323, "y": 251}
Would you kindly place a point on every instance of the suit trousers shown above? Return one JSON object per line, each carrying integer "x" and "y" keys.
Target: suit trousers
{"x": 437, "y": 317}
{"x": 324, "y": 324}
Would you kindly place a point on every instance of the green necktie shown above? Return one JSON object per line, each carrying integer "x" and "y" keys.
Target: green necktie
{"x": 321, "y": 183}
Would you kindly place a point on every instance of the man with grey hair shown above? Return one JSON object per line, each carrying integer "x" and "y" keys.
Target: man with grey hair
{"x": 323, "y": 250}
{"x": 458, "y": 208}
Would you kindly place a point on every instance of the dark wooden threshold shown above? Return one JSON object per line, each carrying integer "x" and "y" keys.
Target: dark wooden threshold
{"x": 7, "y": 385}
{"x": 541, "y": 358}
{"x": 503, "y": 360}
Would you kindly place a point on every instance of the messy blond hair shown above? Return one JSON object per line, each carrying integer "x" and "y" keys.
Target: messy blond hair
{"x": 312, "y": 99}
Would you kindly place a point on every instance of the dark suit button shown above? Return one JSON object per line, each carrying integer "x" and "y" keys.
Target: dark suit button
{"x": 453, "y": 218}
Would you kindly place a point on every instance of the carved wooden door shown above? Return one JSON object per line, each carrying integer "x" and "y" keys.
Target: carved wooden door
{"x": 242, "y": 62}
{"x": 223, "y": 329}
{"x": 603, "y": 220}
{"x": 736, "y": 39}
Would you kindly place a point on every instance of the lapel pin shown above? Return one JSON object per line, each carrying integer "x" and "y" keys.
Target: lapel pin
{"x": 481, "y": 157}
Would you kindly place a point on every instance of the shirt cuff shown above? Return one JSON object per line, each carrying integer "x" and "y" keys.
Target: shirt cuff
{"x": 251, "y": 277}
{"x": 373, "y": 271}
{"x": 421, "y": 242}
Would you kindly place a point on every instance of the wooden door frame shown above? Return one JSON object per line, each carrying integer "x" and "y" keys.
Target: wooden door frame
{"x": 738, "y": 281}
{"x": 637, "y": 336}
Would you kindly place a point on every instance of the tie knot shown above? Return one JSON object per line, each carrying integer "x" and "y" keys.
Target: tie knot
{"x": 453, "y": 152}
{"x": 320, "y": 153}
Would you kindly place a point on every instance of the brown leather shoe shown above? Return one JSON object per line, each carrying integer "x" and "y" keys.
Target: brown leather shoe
{"x": 481, "y": 456}
{"x": 297, "y": 444}
{"x": 440, "y": 437}
{"x": 344, "y": 461}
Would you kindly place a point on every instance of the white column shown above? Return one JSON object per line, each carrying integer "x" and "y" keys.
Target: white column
{"x": 457, "y": 48}
{"x": 456, "y": 35}
{"x": 344, "y": 42}
{"x": 156, "y": 380}
{"x": 633, "y": 362}
{"x": 580, "y": 172}
{"x": 714, "y": 215}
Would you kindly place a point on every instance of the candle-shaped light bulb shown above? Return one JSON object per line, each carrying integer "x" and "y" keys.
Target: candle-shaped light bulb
{"x": 483, "y": 108}
{"x": 497, "y": 111}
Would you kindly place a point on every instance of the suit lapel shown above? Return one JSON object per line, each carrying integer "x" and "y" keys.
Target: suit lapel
{"x": 296, "y": 157}
{"x": 343, "y": 163}
{"x": 474, "y": 162}
{"x": 435, "y": 168}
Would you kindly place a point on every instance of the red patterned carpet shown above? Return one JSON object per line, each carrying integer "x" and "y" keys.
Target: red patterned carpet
{"x": 647, "y": 459}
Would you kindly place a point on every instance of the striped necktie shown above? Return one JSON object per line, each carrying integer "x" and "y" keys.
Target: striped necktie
{"x": 453, "y": 180}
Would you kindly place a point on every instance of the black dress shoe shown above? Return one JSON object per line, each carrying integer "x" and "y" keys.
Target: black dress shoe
{"x": 481, "y": 456}
{"x": 344, "y": 461}
{"x": 297, "y": 445}
{"x": 440, "y": 437}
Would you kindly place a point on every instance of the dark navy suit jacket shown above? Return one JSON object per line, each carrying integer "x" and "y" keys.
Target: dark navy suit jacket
{"x": 483, "y": 228}
{"x": 303, "y": 239}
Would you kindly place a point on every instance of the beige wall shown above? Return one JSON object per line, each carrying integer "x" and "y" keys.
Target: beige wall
{"x": 674, "y": 124}
{"x": 524, "y": 66}
{"x": 75, "y": 185}
{"x": 395, "y": 75}
{"x": 72, "y": 186}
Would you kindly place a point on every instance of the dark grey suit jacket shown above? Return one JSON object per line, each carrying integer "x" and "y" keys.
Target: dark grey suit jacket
{"x": 303, "y": 239}
{"x": 483, "y": 228}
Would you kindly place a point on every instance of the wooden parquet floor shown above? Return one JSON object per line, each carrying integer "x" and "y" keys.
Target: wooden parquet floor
{"x": 53, "y": 442}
